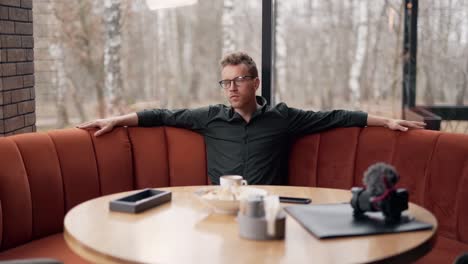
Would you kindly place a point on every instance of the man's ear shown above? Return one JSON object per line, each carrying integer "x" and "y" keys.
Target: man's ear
{"x": 257, "y": 83}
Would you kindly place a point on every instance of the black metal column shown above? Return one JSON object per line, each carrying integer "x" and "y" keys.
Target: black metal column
{"x": 410, "y": 44}
{"x": 268, "y": 27}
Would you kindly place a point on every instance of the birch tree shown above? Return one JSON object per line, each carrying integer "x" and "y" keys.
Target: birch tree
{"x": 207, "y": 49}
{"x": 380, "y": 29}
{"x": 181, "y": 66}
{"x": 163, "y": 59}
{"x": 281, "y": 49}
{"x": 112, "y": 57}
{"x": 360, "y": 16}
{"x": 228, "y": 27}
{"x": 80, "y": 38}
{"x": 68, "y": 51}
{"x": 60, "y": 83}
{"x": 136, "y": 51}
{"x": 462, "y": 40}
{"x": 425, "y": 59}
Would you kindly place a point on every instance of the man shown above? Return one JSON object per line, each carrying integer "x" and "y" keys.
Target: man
{"x": 248, "y": 137}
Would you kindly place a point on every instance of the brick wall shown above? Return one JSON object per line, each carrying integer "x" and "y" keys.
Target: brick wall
{"x": 17, "y": 95}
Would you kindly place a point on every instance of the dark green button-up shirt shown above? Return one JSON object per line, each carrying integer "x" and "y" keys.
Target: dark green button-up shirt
{"x": 257, "y": 150}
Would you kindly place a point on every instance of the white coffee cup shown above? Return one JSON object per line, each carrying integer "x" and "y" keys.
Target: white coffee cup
{"x": 232, "y": 181}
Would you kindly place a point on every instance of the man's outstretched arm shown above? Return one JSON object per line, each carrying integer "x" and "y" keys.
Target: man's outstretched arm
{"x": 193, "y": 119}
{"x": 394, "y": 124}
{"x": 107, "y": 124}
{"x": 305, "y": 122}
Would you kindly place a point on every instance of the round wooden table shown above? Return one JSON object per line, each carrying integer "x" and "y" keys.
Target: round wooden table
{"x": 186, "y": 231}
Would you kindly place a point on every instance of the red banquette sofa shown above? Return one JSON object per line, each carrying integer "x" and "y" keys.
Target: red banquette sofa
{"x": 43, "y": 175}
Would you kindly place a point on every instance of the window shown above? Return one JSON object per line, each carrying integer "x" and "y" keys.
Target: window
{"x": 169, "y": 57}
{"x": 442, "y": 73}
{"x": 340, "y": 54}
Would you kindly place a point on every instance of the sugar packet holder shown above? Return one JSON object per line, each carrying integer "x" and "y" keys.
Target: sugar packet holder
{"x": 261, "y": 218}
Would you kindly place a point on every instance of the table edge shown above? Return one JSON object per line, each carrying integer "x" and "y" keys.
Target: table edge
{"x": 407, "y": 256}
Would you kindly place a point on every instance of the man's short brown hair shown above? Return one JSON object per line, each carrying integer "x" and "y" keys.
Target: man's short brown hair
{"x": 237, "y": 58}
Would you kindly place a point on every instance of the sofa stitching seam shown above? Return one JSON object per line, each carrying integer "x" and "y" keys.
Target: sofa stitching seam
{"x": 134, "y": 180}
{"x": 359, "y": 136}
{"x": 61, "y": 174}
{"x": 97, "y": 163}
{"x": 426, "y": 170}
{"x": 457, "y": 205}
{"x": 394, "y": 147}
{"x": 1, "y": 225}
{"x": 30, "y": 192}
{"x": 316, "y": 162}
{"x": 168, "y": 158}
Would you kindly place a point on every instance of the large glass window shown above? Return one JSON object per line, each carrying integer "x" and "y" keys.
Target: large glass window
{"x": 442, "y": 71}
{"x": 442, "y": 66}
{"x": 169, "y": 56}
{"x": 340, "y": 54}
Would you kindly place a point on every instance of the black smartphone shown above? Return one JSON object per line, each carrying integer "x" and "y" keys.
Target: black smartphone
{"x": 284, "y": 199}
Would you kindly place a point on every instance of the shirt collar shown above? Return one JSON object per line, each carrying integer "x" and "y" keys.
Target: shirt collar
{"x": 260, "y": 101}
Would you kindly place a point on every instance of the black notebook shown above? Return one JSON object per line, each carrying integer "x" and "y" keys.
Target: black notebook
{"x": 337, "y": 220}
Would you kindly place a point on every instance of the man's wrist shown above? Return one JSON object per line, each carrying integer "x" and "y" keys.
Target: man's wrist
{"x": 386, "y": 122}
{"x": 378, "y": 121}
{"x": 126, "y": 120}
{"x": 115, "y": 121}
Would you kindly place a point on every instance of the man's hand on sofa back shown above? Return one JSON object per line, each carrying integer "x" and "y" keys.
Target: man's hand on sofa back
{"x": 394, "y": 124}
{"x": 107, "y": 124}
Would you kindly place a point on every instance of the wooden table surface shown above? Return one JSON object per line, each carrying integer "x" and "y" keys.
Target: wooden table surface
{"x": 186, "y": 231}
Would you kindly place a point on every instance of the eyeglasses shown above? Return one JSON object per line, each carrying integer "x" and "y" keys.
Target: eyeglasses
{"x": 226, "y": 84}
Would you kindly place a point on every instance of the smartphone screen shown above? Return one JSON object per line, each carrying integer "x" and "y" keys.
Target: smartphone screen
{"x": 284, "y": 199}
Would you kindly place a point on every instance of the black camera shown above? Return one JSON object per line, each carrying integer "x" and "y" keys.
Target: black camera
{"x": 392, "y": 206}
{"x": 380, "y": 194}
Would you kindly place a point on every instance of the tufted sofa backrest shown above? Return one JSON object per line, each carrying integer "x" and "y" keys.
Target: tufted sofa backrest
{"x": 43, "y": 175}
{"x": 432, "y": 165}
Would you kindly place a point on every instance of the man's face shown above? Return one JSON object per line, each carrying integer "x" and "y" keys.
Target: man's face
{"x": 242, "y": 94}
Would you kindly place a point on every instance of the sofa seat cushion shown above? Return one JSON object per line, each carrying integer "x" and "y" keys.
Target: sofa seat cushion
{"x": 53, "y": 246}
{"x": 445, "y": 250}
